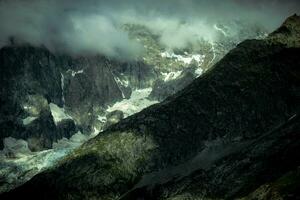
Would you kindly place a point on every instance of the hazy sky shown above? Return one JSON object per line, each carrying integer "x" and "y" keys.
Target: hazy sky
{"x": 93, "y": 26}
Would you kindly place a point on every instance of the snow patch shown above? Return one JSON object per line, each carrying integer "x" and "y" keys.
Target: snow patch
{"x": 28, "y": 120}
{"x": 171, "y": 75}
{"x": 198, "y": 72}
{"x": 125, "y": 83}
{"x": 74, "y": 73}
{"x": 58, "y": 113}
{"x": 186, "y": 59}
{"x": 137, "y": 102}
{"x": 102, "y": 118}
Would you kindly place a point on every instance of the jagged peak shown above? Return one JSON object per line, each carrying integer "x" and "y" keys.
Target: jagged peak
{"x": 292, "y": 20}
{"x": 288, "y": 33}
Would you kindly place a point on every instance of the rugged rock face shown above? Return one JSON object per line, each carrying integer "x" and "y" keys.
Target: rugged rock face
{"x": 32, "y": 78}
{"x": 230, "y": 132}
{"x": 28, "y": 76}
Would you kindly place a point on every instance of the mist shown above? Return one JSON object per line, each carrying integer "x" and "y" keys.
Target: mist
{"x": 95, "y": 27}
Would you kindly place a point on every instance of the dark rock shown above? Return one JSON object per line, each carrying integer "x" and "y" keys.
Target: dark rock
{"x": 66, "y": 128}
{"x": 25, "y": 71}
{"x": 95, "y": 85}
{"x": 41, "y": 132}
{"x": 138, "y": 74}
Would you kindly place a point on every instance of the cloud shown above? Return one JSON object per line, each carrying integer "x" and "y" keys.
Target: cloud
{"x": 94, "y": 26}
{"x": 75, "y": 31}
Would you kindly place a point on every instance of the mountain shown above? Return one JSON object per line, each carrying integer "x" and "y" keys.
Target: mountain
{"x": 232, "y": 133}
{"x": 83, "y": 87}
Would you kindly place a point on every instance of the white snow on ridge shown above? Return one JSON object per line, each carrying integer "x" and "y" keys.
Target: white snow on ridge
{"x": 171, "y": 75}
{"x": 187, "y": 59}
{"x": 58, "y": 113}
{"x": 137, "y": 102}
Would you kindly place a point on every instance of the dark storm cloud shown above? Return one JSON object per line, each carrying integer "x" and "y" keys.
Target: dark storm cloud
{"x": 93, "y": 26}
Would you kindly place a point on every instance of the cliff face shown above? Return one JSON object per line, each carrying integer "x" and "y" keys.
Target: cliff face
{"x": 33, "y": 78}
{"x": 231, "y": 131}
{"x": 29, "y": 78}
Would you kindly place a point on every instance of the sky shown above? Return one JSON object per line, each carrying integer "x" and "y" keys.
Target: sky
{"x": 79, "y": 27}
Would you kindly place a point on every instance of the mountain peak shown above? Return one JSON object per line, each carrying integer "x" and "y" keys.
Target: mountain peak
{"x": 288, "y": 33}
{"x": 294, "y": 19}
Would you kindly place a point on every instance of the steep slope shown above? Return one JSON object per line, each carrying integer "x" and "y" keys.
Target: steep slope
{"x": 32, "y": 78}
{"x": 230, "y": 131}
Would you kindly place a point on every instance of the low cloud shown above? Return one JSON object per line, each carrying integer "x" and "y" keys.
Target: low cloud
{"x": 94, "y": 26}
{"x": 75, "y": 32}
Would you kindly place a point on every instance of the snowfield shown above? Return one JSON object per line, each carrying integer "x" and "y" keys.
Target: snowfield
{"x": 137, "y": 102}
